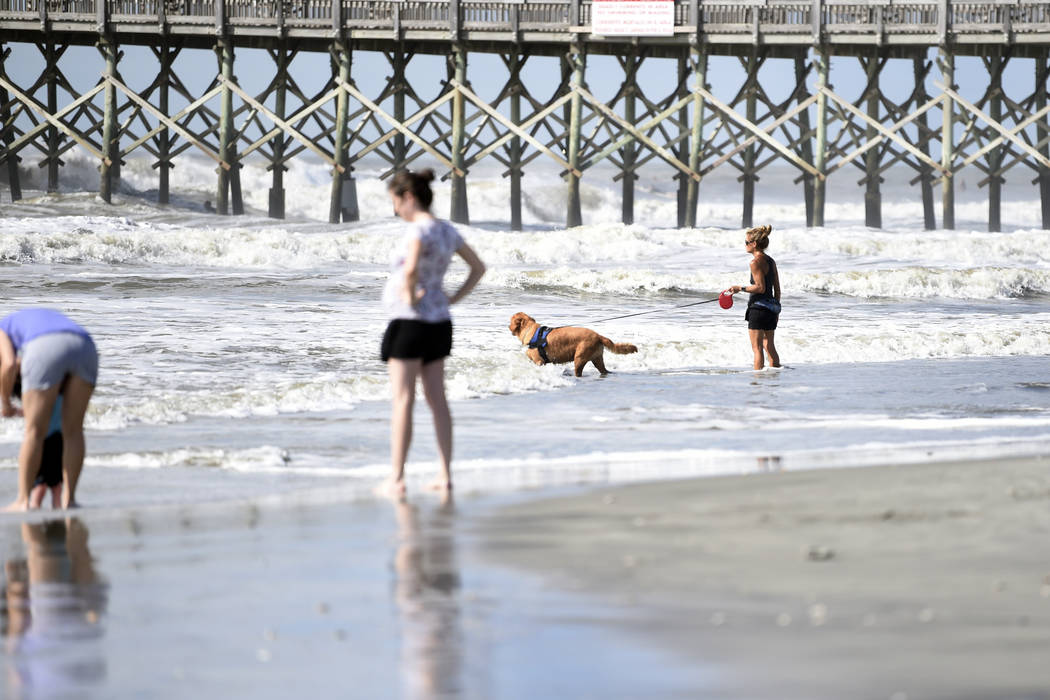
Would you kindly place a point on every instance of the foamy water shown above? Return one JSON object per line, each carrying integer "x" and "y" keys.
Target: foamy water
{"x": 239, "y": 354}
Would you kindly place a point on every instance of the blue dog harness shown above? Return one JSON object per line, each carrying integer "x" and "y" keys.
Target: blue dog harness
{"x": 539, "y": 342}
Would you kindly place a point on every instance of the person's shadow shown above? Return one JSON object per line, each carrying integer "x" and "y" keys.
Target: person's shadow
{"x": 51, "y": 621}
{"x": 427, "y": 596}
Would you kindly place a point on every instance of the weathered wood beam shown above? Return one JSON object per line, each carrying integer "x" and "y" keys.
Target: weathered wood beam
{"x": 577, "y": 62}
{"x": 224, "y": 53}
{"x": 164, "y": 163}
{"x": 946, "y": 59}
{"x": 515, "y": 146}
{"x": 632, "y": 62}
{"x": 872, "y": 190}
{"x": 275, "y": 201}
{"x": 1042, "y": 74}
{"x": 684, "y": 132}
{"x": 460, "y": 212}
{"x": 7, "y": 124}
{"x": 820, "y": 58}
{"x": 750, "y": 176}
{"x": 51, "y": 70}
{"x": 340, "y": 209}
{"x": 805, "y": 141}
{"x": 995, "y": 156}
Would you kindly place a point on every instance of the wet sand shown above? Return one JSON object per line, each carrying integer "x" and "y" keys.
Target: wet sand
{"x": 928, "y": 581}
{"x": 920, "y": 581}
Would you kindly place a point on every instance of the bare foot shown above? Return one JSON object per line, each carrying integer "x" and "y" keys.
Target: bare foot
{"x": 16, "y": 507}
{"x": 440, "y": 485}
{"x": 390, "y": 488}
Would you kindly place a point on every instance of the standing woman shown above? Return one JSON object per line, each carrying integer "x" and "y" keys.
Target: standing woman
{"x": 419, "y": 336}
{"x": 56, "y": 356}
{"x": 763, "y": 307}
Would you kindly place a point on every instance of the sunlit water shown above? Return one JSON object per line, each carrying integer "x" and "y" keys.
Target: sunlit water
{"x": 240, "y": 354}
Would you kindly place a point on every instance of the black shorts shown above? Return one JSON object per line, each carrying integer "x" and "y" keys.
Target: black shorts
{"x": 407, "y": 339}
{"x": 759, "y": 319}
{"x": 50, "y": 473}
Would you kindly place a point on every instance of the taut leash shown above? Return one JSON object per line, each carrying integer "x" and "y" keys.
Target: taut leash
{"x": 654, "y": 311}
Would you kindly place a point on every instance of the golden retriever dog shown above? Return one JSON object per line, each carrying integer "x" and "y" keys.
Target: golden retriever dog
{"x": 565, "y": 344}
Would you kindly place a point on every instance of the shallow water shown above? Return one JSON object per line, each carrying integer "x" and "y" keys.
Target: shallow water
{"x": 239, "y": 354}
{"x": 380, "y": 601}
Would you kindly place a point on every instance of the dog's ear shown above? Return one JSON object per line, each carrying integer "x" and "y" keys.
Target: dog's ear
{"x": 516, "y": 322}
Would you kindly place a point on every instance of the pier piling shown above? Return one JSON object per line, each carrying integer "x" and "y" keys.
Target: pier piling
{"x": 460, "y": 211}
{"x": 947, "y": 64}
{"x": 7, "y": 127}
{"x": 109, "y": 126}
{"x": 1042, "y": 74}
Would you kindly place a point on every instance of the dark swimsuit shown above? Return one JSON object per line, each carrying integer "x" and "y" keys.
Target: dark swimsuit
{"x": 757, "y": 317}
{"x": 50, "y": 473}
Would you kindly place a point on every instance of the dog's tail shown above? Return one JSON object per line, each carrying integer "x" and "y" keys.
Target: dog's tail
{"x": 619, "y": 348}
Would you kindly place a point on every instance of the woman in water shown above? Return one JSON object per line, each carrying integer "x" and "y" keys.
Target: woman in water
{"x": 419, "y": 335}
{"x": 763, "y": 307}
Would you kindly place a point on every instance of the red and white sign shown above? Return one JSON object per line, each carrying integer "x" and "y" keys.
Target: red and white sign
{"x": 632, "y": 17}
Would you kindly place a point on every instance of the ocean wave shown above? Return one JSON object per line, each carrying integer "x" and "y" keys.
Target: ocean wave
{"x": 924, "y": 282}
{"x": 229, "y": 398}
{"x": 122, "y": 241}
{"x": 1025, "y": 247}
{"x": 485, "y": 365}
{"x": 905, "y": 283}
{"x": 262, "y": 458}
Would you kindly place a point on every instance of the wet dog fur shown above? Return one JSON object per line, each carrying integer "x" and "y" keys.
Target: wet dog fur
{"x": 568, "y": 344}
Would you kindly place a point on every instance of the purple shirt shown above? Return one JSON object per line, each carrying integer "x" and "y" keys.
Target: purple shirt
{"x": 26, "y": 324}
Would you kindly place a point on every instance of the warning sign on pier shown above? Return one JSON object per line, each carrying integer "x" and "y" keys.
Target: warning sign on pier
{"x": 632, "y": 17}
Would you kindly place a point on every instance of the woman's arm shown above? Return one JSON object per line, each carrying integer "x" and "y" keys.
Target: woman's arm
{"x": 776, "y": 283}
{"x": 477, "y": 269}
{"x": 8, "y": 370}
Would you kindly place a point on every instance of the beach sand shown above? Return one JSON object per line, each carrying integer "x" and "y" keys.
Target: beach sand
{"x": 918, "y": 581}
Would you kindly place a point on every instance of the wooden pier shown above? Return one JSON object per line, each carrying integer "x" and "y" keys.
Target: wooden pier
{"x": 690, "y": 130}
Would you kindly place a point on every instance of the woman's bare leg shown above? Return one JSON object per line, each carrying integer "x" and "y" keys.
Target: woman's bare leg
{"x": 434, "y": 391}
{"x": 36, "y": 496}
{"x": 771, "y": 349}
{"x": 756, "y": 347}
{"x": 75, "y": 400}
{"x": 403, "y": 375}
{"x": 37, "y": 406}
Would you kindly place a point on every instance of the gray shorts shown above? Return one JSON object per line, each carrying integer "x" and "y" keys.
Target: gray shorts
{"x": 47, "y": 359}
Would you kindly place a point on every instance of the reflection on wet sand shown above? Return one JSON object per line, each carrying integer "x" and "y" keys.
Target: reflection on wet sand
{"x": 769, "y": 464}
{"x": 53, "y": 603}
{"x": 427, "y": 596}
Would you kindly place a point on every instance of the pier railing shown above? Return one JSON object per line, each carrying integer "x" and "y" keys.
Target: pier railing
{"x": 718, "y": 21}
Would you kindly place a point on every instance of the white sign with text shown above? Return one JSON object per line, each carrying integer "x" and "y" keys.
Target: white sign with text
{"x": 632, "y": 17}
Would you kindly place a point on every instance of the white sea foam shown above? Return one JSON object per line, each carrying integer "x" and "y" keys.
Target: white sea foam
{"x": 235, "y": 331}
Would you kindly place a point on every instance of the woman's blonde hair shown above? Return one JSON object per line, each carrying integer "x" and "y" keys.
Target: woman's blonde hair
{"x": 759, "y": 235}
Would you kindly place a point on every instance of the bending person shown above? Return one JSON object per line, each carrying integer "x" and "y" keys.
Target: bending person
{"x": 763, "y": 307}
{"x": 419, "y": 336}
{"x": 49, "y": 478}
{"x": 56, "y": 357}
